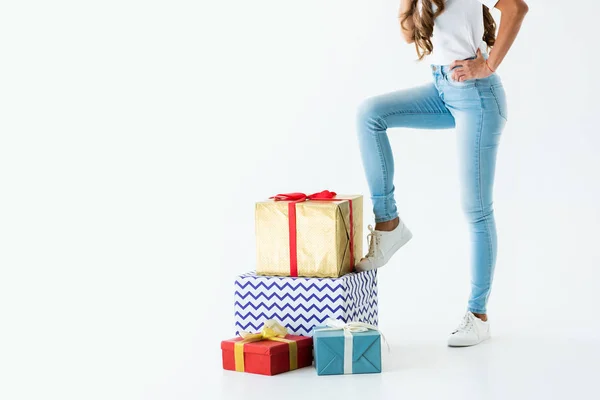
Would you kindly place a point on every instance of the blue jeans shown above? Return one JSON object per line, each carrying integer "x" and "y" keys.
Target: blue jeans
{"x": 477, "y": 110}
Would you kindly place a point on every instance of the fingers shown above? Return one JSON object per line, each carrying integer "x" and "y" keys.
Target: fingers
{"x": 455, "y": 74}
{"x": 460, "y": 75}
{"x": 459, "y": 63}
{"x": 463, "y": 70}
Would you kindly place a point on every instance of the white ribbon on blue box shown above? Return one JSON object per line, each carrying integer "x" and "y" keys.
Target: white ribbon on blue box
{"x": 347, "y": 348}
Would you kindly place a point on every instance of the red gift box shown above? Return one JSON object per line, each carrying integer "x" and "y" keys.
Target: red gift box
{"x": 267, "y": 357}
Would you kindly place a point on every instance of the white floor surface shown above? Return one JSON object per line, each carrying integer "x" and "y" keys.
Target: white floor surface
{"x": 558, "y": 365}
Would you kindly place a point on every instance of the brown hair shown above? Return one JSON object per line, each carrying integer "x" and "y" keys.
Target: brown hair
{"x": 423, "y": 24}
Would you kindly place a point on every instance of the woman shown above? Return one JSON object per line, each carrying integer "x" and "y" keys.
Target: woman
{"x": 466, "y": 94}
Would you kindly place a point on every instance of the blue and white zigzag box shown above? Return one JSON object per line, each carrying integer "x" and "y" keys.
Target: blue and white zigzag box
{"x": 302, "y": 303}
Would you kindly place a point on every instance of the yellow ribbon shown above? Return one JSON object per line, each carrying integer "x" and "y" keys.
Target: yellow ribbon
{"x": 272, "y": 330}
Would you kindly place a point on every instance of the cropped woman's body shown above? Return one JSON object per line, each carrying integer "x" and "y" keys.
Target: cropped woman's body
{"x": 466, "y": 94}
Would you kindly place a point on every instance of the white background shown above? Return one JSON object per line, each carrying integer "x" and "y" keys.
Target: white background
{"x": 136, "y": 136}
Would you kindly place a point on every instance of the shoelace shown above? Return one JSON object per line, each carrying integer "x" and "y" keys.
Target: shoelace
{"x": 466, "y": 324}
{"x": 373, "y": 238}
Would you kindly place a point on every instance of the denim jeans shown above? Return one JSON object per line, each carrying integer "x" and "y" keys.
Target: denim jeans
{"x": 477, "y": 110}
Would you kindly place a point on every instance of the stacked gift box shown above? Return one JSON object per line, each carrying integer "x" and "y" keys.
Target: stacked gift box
{"x": 306, "y": 247}
{"x": 302, "y": 303}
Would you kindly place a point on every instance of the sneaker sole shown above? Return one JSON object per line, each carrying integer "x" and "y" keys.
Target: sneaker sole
{"x": 469, "y": 345}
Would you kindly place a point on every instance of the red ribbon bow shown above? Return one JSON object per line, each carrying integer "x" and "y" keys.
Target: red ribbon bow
{"x": 295, "y": 198}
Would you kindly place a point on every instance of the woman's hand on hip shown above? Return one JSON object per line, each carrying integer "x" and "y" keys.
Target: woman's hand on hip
{"x": 464, "y": 70}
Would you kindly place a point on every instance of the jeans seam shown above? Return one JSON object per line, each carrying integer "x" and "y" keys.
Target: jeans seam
{"x": 503, "y": 116}
{"x": 412, "y": 113}
{"x": 384, "y": 168}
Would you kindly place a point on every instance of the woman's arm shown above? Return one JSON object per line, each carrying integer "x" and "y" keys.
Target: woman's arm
{"x": 513, "y": 13}
{"x": 408, "y": 28}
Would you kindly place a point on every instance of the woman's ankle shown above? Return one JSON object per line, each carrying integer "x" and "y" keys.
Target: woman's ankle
{"x": 387, "y": 226}
{"x": 482, "y": 317}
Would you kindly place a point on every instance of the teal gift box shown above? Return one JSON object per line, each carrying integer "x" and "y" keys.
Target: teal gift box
{"x": 355, "y": 349}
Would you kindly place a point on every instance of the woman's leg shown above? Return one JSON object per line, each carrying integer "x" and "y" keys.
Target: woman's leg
{"x": 478, "y": 133}
{"x": 419, "y": 107}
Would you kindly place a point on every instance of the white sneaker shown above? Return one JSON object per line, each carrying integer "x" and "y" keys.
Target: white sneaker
{"x": 382, "y": 246}
{"x": 471, "y": 331}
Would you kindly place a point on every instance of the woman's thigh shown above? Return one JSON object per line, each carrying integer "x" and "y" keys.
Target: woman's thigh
{"x": 420, "y": 107}
{"x": 480, "y": 116}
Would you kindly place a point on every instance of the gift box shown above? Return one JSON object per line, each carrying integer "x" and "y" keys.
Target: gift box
{"x": 352, "y": 349}
{"x": 270, "y": 352}
{"x": 301, "y": 303}
{"x": 319, "y": 235}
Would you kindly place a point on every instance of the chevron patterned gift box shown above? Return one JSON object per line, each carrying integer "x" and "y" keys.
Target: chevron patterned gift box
{"x": 302, "y": 303}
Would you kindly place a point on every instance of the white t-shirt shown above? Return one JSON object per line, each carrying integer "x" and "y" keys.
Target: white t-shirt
{"x": 458, "y": 31}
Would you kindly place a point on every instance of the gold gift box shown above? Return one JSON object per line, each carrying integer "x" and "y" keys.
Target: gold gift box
{"x": 322, "y": 232}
